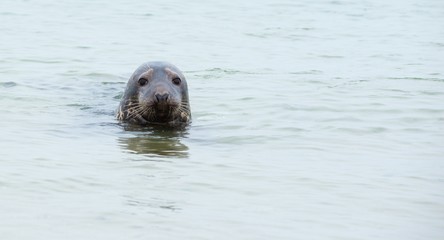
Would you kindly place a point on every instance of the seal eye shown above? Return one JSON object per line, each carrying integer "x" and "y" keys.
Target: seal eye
{"x": 177, "y": 81}
{"x": 143, "y": 82}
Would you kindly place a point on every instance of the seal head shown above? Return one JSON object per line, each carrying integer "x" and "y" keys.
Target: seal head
{"x": 156, "y": 93}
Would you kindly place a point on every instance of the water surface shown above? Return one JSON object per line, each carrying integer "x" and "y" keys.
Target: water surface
{"x": 311, "y": 120}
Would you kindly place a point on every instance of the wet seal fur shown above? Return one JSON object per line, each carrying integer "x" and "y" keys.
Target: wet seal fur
{"x": 156, "y": 93}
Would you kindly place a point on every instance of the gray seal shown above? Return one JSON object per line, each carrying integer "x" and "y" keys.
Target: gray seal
{"x": 156, "y": 93}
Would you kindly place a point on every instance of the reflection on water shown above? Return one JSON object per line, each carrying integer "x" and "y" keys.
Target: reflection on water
{"x": 155, "y": 141}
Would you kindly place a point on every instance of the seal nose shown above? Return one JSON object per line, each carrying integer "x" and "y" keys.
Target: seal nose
{"x": 161, "y": 97}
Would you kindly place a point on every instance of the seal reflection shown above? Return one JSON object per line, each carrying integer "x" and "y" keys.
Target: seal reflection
{"x": 155, "y": 141}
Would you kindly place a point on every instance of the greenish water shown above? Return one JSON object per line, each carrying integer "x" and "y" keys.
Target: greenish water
{"x": 311, "y": 120}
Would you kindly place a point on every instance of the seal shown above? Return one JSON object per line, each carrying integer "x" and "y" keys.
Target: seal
{"x": 156, "y": 93}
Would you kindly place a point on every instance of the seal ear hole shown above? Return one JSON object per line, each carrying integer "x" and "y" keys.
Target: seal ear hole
{"x": 177, "y": 81}
{"x": 143, "y": 81}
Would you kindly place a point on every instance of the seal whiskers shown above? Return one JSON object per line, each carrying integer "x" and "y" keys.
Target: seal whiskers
{"x": 156, "y": 93}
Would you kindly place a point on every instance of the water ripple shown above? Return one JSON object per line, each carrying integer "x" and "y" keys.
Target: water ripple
{"x": 8, "y": 84}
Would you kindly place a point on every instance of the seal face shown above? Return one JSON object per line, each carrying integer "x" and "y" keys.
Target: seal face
{"x": 156, "y": 93}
